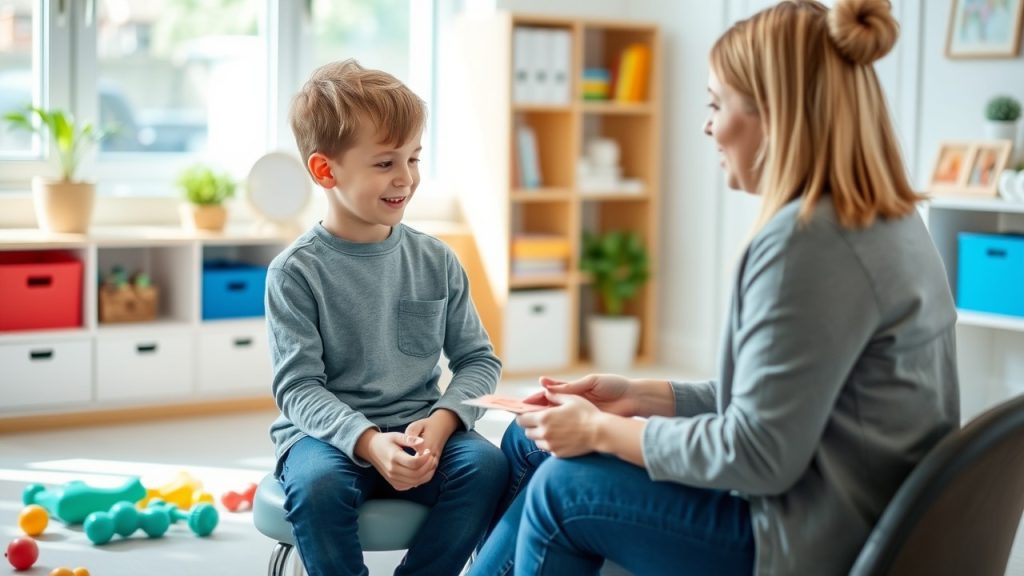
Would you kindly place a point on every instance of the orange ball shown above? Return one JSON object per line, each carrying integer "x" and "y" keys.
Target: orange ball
{"x": 80, "y": 571}
{"x": 62, "y": 571}
{"x": 33, "y": 520}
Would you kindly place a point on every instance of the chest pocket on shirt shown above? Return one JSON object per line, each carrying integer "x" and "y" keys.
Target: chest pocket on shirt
{"x": 420, "y": 326}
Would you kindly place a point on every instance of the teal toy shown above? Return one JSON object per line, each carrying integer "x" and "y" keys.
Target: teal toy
{"x": 74, "y": 501}
{"x": 201, "y": 519}
{"x": 124, "y": 519}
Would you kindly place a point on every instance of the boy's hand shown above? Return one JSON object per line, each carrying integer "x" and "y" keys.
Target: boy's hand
{"x": 434, "y": 431}
{"x": 386, "y": 452}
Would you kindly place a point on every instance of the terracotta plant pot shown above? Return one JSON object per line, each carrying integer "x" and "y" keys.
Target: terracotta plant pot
{"x": 62, "y": 205}
{"x": 204, "y": 216}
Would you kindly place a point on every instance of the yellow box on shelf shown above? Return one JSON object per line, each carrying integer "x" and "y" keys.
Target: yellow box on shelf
{"x": 539, "y": 246}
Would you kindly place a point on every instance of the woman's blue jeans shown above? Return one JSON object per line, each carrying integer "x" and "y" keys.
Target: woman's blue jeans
{"x": 565, "y": 516}
{"x": 324, "y": 488}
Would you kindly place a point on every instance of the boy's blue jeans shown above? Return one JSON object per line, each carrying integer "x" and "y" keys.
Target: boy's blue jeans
{"x": 324, "y": 488}
{"x": 573, "y": 513}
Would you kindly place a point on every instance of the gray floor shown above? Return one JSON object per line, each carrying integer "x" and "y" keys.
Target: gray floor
{"x": 224, "y": 452}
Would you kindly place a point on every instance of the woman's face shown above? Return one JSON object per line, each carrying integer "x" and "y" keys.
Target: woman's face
{"x": 736, "y": 129}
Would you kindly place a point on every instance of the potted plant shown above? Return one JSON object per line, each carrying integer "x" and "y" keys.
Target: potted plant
{"x": 63, "y": 205}
{"x": 205, "y": 191}
{"x": 1002, "y": 113}
{"x": 618, "y": 265}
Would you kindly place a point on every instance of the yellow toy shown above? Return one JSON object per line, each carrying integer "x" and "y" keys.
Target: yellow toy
{"x": 33, "y": 520}
{"x": 62, "y": 571}
{"x": 184, "y": 492}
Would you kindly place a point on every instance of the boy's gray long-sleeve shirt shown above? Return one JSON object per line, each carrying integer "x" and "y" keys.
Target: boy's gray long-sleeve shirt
{"x": 838, "y": 373}
{"x": 356, "y": 331}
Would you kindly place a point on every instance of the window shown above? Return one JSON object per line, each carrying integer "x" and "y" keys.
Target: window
{"x": 182, "y": 81}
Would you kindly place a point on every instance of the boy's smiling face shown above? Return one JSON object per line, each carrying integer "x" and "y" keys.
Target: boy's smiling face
{"x": 369, "y": 186}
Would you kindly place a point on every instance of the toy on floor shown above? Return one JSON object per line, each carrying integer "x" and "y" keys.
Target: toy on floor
{"x": 22, "y": 553}
{"x": 62, "y": 571}
{"x": 201, "y": 519}
{"x": 33, "y": 520}
{"x": 75, "y": 500}
{"x": 185, "y": 491}
{"x": 238, "y": 501}
{"x": 124, "y": 519}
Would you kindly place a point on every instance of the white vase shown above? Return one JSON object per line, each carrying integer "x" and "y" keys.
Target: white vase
{"x": 613, "y": 342}
{"x": 62, "y": 205}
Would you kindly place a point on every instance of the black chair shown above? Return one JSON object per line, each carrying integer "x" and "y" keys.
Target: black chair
{"x": 957, "y": 513}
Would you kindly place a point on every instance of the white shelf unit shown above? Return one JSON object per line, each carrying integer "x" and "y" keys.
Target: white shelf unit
{"x": 949, "y": 216}
{"x": 177, "y": 359}
{"x": 990, "y": 346}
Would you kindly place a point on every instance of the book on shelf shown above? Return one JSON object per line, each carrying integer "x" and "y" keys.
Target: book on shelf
{"x": 538, "y": 266}
{"x": 527, "y": 159}
{"x": 632, "y": 73}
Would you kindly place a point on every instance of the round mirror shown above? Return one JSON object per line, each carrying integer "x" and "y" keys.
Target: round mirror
{"x": 278, "y": 187}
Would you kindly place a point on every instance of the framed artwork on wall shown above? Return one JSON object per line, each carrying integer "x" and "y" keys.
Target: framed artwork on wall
{"x": 969, "y": 168}
{"x": 984, "y": 29}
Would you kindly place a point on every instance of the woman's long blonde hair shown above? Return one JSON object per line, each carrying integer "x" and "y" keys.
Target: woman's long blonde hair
{"x": 807, "y": 71}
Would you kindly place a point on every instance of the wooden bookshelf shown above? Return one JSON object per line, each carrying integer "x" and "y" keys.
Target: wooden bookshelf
{"x": 497, "y": 206}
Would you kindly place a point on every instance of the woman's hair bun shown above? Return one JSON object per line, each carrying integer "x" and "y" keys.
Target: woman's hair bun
{"x": 863, "y": 30}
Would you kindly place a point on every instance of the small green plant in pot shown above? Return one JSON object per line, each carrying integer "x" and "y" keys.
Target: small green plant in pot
{"x": 205, "y": 190}
{"x": 63, "y": 205}
{"x": 618, "y": 264}
{"x": 1001, "y": 115}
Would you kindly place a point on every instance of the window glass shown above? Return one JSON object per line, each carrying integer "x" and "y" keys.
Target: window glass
{"x": 374, "y": 32}
{"x": 19, "y": 73}
{"x": 183, "y": 76}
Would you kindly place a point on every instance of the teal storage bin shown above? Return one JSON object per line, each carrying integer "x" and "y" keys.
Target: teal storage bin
{"x": 991, "y": 273}
{"x": 232, "y": 289}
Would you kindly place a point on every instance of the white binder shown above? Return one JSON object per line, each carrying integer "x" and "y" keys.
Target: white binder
{"x": 521, "y": 56}
{"x": 560, "y": 59}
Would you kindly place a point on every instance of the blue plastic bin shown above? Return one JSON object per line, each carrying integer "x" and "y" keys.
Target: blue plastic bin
{"x": 232, "y": 289}
{"x": 991, "y": 273}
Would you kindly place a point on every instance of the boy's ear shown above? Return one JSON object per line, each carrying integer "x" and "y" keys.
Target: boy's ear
{"x": 321, "y": 170}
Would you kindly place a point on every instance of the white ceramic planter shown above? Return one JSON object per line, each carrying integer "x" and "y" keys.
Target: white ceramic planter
{"x": 1001, "y": 130}
{"x": 613, "y": 342}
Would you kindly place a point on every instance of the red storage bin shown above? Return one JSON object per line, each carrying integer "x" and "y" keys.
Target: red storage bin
{"x": 40, "y": 289}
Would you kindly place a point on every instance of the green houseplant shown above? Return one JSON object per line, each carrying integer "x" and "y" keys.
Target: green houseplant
{"x": 1002, "y": 109}
{"x": 205, "y": 191}
{"x": 63, "y": 205}
{"x": 619, "y": 267}
{"x": 1002, "y": 114}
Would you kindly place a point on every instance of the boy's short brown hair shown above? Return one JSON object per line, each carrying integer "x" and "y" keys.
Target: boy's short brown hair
{"x": 326, "y": 113}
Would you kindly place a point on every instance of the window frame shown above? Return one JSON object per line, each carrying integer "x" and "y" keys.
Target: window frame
{"x": 65, "y": 48}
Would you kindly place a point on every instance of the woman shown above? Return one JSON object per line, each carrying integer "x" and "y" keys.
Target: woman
{"x": 838, "y": 369}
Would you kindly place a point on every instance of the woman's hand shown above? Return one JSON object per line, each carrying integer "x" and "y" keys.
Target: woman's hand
{"x": 608, "y": 392}
{"x": 570, "y": 427}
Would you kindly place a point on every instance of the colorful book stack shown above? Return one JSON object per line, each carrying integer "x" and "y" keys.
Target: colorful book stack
{"x": 539, "y": 254}
{"x": 596, "y": 83}
{"x": 632, "y": 73}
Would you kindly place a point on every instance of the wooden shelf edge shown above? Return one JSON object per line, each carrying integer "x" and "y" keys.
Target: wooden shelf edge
{"x": 50, "y": 421}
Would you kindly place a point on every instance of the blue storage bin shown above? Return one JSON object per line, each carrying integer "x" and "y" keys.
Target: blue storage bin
{"x": 991, "y": 273}
{"x": 232, "y": 289}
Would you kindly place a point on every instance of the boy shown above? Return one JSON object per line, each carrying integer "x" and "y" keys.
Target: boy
{"x": 359, "y": 309}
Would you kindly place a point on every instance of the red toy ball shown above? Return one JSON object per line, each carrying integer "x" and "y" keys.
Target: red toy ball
{"x": 22, "y": 553}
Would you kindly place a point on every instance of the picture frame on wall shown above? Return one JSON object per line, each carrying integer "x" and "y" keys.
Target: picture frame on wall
{"x": 969, "y": 168}
{"x": 984, "y": 29}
